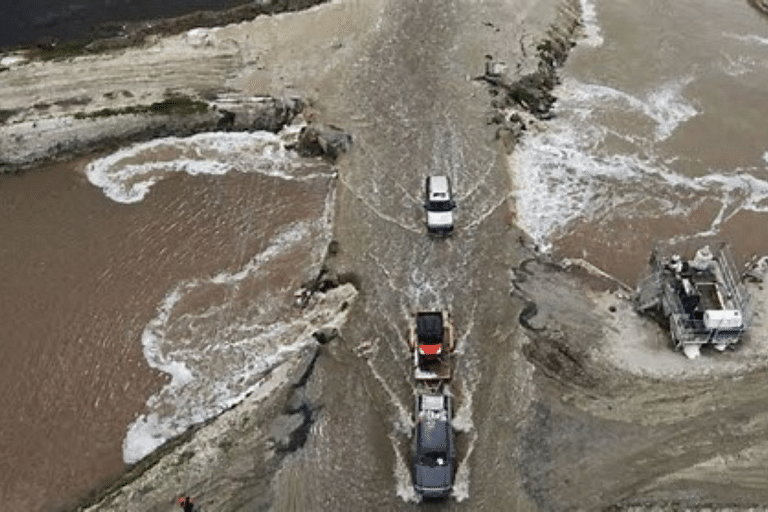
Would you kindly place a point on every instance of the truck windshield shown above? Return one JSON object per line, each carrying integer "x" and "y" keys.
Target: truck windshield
{"x": 440, "y": 206}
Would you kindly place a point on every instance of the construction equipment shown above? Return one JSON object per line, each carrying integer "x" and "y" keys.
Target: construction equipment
{"x": 701, "y": 300}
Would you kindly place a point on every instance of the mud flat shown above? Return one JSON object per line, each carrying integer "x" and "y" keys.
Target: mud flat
{"x": 61, "y": 109}
{"x": 145, "y": 85}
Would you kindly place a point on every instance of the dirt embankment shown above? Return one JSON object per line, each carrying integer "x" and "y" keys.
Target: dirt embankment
{"x": 143, "y": 88}
{"x": 32, "y": 139}
{"x": 656, "y": 430}
{"x": 760, "y": 5}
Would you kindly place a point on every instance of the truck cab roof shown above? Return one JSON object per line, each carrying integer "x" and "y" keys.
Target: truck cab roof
{"x": 429, "y": 328}
{"x": 438, "y": 188}
{"x": 439, "y": 205}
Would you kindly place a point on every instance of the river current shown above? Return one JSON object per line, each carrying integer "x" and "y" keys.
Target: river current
{"x": 659, "y": 135}
{"x": 143, "y": 290}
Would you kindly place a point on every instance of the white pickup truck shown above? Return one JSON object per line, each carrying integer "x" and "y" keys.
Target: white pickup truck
{"x": 439, "y": 205}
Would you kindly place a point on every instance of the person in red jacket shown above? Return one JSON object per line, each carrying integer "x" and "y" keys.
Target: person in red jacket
{"x": 187, "y": 504}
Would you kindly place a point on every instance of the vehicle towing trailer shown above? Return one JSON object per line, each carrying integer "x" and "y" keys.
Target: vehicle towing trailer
{"x": 432, "y": 339}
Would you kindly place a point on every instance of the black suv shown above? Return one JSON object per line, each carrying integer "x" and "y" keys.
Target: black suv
{"x": 434, "y": 460}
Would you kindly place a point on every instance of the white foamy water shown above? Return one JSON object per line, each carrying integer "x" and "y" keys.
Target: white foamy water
{"x": 753, "y": 39}
{"x": 401, "y": 422}
{"x": 462, "y": 422}
{"x": 402, "y": 472}
{"x": 656, "y": 136}
{"x": 217, "y": 336}
{"x": 665, "y": 106}
{"x": 126, "y": 176}
{"x": 462, "y": 418}
{"x": 738, "y": 64}
{"x": 592, "y": 35}
{"x": 564, "y": 173}
{"x": 217, "y": 350}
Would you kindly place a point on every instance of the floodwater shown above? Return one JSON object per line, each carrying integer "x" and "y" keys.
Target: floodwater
{"x": 140, "y": 287}
{"x": 659, "y": 134}
{"x": 124, "y": 305}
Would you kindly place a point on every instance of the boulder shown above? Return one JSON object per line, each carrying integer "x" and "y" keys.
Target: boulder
{"x": 323, "y": 140}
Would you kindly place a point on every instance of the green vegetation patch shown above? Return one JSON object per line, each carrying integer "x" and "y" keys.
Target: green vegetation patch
{"x": 179, "y": 106}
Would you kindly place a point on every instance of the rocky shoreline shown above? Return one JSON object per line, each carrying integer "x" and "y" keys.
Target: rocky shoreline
{"x": 227, "y": 462}
{"x": 760, "y": 5}
{"x": 30, "y": 142}
{"x": 522, "y": 101}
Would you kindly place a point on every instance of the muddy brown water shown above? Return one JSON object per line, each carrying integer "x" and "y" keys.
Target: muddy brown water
{"x": 82, "y": 277}
{"x": 100, "y": 269}
{"x": 671, "y": 140}
{"x": 72, "y": 310}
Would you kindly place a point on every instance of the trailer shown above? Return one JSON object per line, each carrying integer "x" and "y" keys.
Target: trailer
{"x": 432, "y": 340}
{"x": 701, "y": 300}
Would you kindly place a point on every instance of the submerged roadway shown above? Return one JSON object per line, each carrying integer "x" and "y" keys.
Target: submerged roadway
{"x": 412, "y": 105}
{"x": 541, "y": 424}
